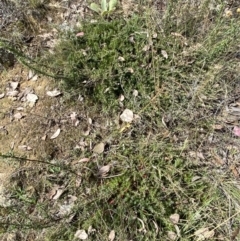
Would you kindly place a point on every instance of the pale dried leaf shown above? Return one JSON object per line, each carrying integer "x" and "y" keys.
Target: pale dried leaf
{"x": 121, "y": 97}
{"x": 130, "y": 70}
{"x": 14, "y": 85}
{"x": 2, "y": 95}
{"x": 32, "y": 76}
{"x": 73, "y": 116}
{"x": 90, "y": 121}
{"x": 32, "y": 98}
{"x": 236, "y": 131}
{"x": 142, "y": 229}
{"x": 121, "y": 59}
{"x": 204, "y": 233}
{"x": 84, "y": 160}
{"x": 80, "y": 34}
{"x": 102, "y": 171}
{"x": 196, "y": 154}
{"x": 72, "y": 199}
{"x": 76, "y": 123}
{"x": 91, "y": 229}
{"x": 154, "y": 35}
{"x": 12, "y": 145}
{"x": 45, "y": 36}
{"x": 52, "y": 193}
{"x": 99, "y": 148}
{"x": 81, "y": 234}
{"x": 25, "y": 148}
{"x": 111, "y": 235}
{"x": 56, "y": 134}
{"x": 174, "y": 218}
{"x": 23, "y": 95}
{"x": 164, "y": 54}
{"x": 18, "y": 116}
{"x": 53, "y": 93}
{"x": 13, "y": 93}
{"x": 146, "y": 48}
{"x": 135, "y": 93}
{"x": 171, "y": 235}
{"x": 156, "y": 227}
{"x": 65, "y": 209}
{"x": 127, "y": 116}
{"x": 195, "y": 178}
{"x": 58, "y": 193}
{"x": 217, "y": 127}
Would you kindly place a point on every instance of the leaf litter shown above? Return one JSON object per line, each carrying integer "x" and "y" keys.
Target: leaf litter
{"x": 56, "y": 134}
{"x": 99, "y": 148}
{"x": 81, "y": 234}
{"x": 127, "y": 116}
{"x": 102, "y": 171}
{"x": 111, "y": 235}
{"x": 54, "y": 93}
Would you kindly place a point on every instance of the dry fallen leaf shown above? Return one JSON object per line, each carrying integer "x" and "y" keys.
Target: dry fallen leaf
{"x": 102, "y": 171}
{"x": 74, "y": 119}
{"x": 32, "y": 76}
{"x": 56, "y": 134}
{"x": 32, "y": 98}
{"x": 84, "y": 160}
{"x": 127, "y": 116}
{"x": 217, "y": 127}
{"x": 204, "y": 233}
{"x": 91, "y": 229}
{"x": 12, "y": 93}
{"x": 135, "y": 93}
{"x": 2, "y": 95}
{"x": 80, "y": 34}
{"x": 146, "y": 48}
{"x": 81, "y": 234}
{"x": 111, "y": 235}
{"x": 25, "y": 148}
{"x": 236, "y": 131}
{"x": 197, "y": 154}
{"x": 53, "y": 93}
{"x": 130, "y": 70}
{"x": 55, "y": 192}
{"x": 99, "y": 148}
{"x": 13, "y": 85}
{"x": 174, "y": 218}
{"x": 73, "y": 116}
{"x": 171, "y": 235}
{"x": 142, "y": 229}
{"x": 164, "y": 54}
{"x": 18, "y": 116}
{"x": 121, "y": 97}
{"x": 121, "y": 59}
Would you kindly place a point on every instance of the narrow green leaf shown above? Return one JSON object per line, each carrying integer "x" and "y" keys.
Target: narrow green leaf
{"x": 112, "y": 4}
{"x": 104, "y": 5}
{"x": 95, "y": 7}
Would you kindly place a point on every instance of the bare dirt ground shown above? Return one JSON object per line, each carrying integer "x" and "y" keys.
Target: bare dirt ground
{"x": 25, "y": 130}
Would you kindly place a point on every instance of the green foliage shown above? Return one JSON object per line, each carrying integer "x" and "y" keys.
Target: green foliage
{"x": 105, "y": 62}
{"x": 106, "y": 7}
